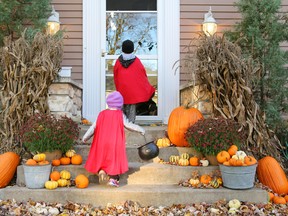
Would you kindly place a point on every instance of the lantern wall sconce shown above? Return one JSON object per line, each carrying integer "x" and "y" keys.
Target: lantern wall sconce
{"x": 53, "y": 22}
{"x": 209, "y": 24}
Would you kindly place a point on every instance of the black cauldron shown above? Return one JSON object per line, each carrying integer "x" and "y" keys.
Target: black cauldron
{"x": 148, "y": 151}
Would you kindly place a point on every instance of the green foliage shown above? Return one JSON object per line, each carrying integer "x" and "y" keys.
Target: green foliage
{"x": 17, "y": 15}
{"x": 259, "y": 34}
{"x": 212, "y": 135}
{"x": 45, "y": 132}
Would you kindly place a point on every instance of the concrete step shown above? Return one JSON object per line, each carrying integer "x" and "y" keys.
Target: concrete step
{"x": 139, "y": 173}
{"x": 145, "y": 195}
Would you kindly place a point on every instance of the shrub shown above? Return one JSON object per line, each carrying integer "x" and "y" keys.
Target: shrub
{"x": 45, "y": 132}
{"x": 210, "y": 136}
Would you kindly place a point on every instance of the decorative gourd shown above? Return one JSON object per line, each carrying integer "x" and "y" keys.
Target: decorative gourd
{"x": 65, "y": 160}
{"x": 185, "y": 156}
{"x": 174, "y": 159}
{"x": 65, "y": 174}
{"x": 31, "y": 162}
{"x": 163, "y": 142}
{"x": 81, "y": 181}
{"x": 223, "y": 156}
{"x": 241, "y": 155}
{"x": 62, "y": 182}
{"x": 205, "y": 179}
{"x": 8, "y": 165}
{"x": 39, "y": 157}
{"x": 270, "y": 173}
{"x": 70, "y": 153}
{"x": 55, "y": 175}
{"x": 234, "y": 203}
{"x": 56, "y": 162}
{"x": 179, "y": 120}
{"x": 194, "y": 161}
{"x": 76, "y": 159}
{"x": 194, "y": 182}
{"x": 51, "y": 185}
{"x": 183, "y": 162}
{"x": 204, "y": 162}
{"x": 214, "y": 183}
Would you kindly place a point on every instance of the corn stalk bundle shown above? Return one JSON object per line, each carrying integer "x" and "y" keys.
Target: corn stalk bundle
{"x": 219, "y": 66}
{"x": 28, "y": 68}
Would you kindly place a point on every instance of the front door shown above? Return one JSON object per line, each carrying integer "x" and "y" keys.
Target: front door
{"x": 107, "y": 23}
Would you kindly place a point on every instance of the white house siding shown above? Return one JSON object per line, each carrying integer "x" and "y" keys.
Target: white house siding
{"x": 191, "y": 18}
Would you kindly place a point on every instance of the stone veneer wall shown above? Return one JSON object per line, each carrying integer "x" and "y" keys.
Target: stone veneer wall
{"x": 65, "y": 98}
{"x": 198, "y": 98}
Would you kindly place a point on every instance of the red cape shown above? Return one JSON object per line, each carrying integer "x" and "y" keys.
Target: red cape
{"x": 132, "y": 82}
{"x": 108, "y": 148}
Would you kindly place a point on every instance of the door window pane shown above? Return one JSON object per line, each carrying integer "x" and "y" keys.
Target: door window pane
{"x": 134, "y": 5}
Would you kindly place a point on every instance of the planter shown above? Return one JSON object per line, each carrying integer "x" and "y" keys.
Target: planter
{"x": 53, "y": 155}
{"x": 238, "y": 177}
{"x": 212, "y": 160}
{"x": 36, "y": 176}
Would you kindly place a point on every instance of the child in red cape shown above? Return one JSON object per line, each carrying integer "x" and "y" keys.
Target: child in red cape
{"x": 131, "y": 80}
{"x": 107, "y": 155}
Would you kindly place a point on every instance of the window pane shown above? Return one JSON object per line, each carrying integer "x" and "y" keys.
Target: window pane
{"x": 123, "y": 26}
{"x": 134, "y": 5}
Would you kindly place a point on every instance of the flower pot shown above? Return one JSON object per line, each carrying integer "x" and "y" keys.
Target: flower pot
{"x": 212, "y": 160}
{"x": 56, "y": 154}
{"x": 36, "y": 176}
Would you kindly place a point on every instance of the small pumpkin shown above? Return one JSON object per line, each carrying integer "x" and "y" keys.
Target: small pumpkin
{"x": 204, "y": 162}
{"x": 194, "y": 161}
{"x": 194, "y": 182}
{"x": 51, "y": 185}
{"x": 81, "y": 181}
{"x": 65, "y": 160}
{"x": 31, "y": 162}
{"x": 205, "y": 179}
{"x": 179, "y": 120}
{"x": 234, "y": 203}
{"x": 174, "y": 159}
{"x": 185, "y": 155}
{"x": 65, "y": 174}
{"x": 8, "y": 165}
{"x": 279, "y": 200}
{"x": 62, "y": 182}
{"x": 163, "y": 142}
{"x": 250, "y": 160}
{"x": 56, "y": 162}
{"x": 76, "y": 159}
{"x": 223, "y": 156}
{"x": 183, "y": 162}
{"x": 232, "y": 150}
{"x": 43, "y": 162}
{"x": 55, "y": 175}
{"x": 39, "y": 157}
{"x": 70, "y": 153}
{"x": 241, "y": 155}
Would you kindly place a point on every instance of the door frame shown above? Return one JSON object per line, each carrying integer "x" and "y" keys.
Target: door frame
{"x": 168, "y": 25}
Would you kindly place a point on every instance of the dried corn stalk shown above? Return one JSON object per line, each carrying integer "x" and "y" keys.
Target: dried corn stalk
{"x": 218, "y": 65}
{"x": 28, "y": 69}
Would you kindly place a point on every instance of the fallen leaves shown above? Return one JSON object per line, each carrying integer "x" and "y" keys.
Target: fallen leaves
{"x": 11, "y": 207}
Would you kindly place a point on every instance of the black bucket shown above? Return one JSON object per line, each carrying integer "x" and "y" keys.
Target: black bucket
{"x": 148, "y": 151}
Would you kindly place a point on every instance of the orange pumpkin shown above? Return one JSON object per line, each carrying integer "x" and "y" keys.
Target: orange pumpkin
{"x": 270, "y": 173}
{"x": 8, "y": 165}
{"x": 56, "y": 162}
{"x": 279, "y": 200}
{"x": 270, "y": 196}
{"x": 55, "y": 175}
{"x": 81, "y": 181}
{"x": 286, "y": 198}
{"x": 76, "y": 159}
{"x": 194, "y": 161}
{"x": 44, "y": 162}
{"x": 249, "y": 160}
{"x": 222, "y": 156}
{"x": 65, "y": 160}
{"x": 232, "y": 150}
{"x": 180, "y": 119}
{"x": 205, "y": 179}
{"x": 31, "y": 162}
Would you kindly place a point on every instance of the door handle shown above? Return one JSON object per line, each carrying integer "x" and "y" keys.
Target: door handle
{"x": 103, "y": 53}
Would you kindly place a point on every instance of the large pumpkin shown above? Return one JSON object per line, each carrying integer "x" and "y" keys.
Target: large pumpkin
{"x": 179, "y": 120}
{"x": 270, "y": 173}
{"x": 8, "y": 165}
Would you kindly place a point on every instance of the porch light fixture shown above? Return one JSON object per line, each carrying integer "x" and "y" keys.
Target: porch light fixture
{"x": 209, "y": 24}
{"x": 53, "y": 22}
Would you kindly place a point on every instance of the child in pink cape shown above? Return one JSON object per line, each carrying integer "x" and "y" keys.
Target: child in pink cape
{"x": 107, "y": 155}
